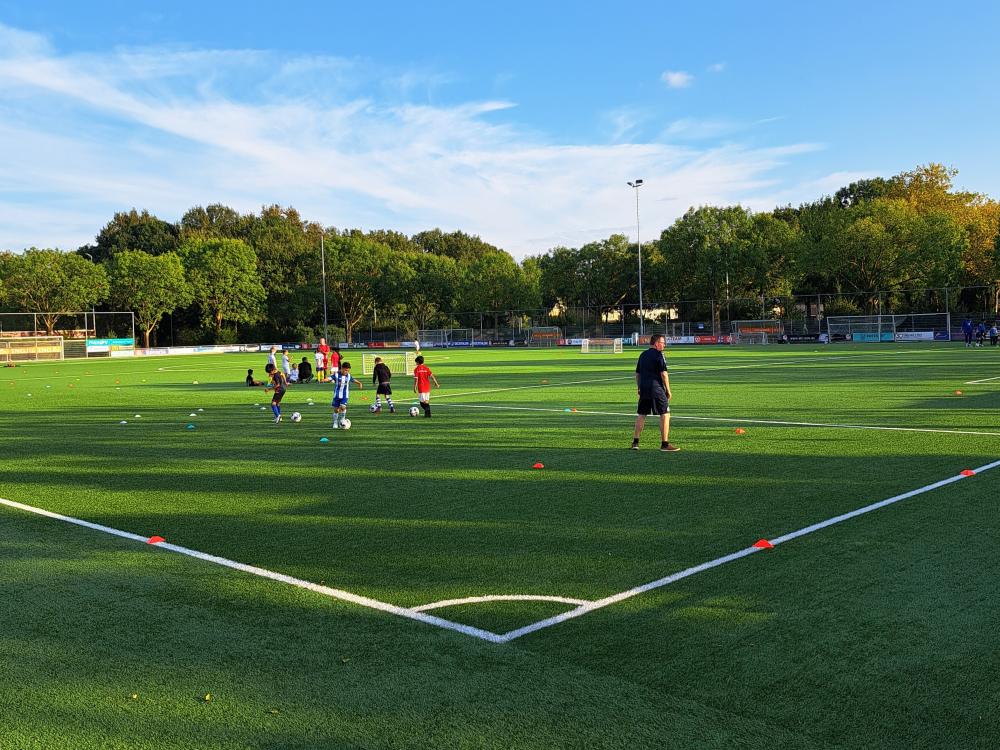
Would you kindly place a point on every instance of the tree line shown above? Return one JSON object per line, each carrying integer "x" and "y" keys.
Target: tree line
{"x": 226, "y": 276}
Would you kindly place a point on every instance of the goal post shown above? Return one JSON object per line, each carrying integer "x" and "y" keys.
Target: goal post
{"x": 544, "y": 336}
{"x": 908, "y": 327}
{"x": 30, "y": 348}
{"x": 601, "y": 346}
{"x": 399, "y": 363}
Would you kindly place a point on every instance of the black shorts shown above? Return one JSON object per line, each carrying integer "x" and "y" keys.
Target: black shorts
{"x": 277, "y": 396}
{"x": 655, "y": 403}
{"x": 384, "y": 389}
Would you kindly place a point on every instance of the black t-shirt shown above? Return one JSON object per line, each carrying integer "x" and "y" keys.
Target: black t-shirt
{"x": 305, "y": 371}
{"x": 651, "y": 363}
{"x": 382, "y": 375}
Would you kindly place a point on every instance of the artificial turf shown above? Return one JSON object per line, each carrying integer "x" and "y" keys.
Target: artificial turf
{"x": 877, "y": 632}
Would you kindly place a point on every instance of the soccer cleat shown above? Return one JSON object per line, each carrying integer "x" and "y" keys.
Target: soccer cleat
{"x": 392, "y": 409}
{"x": 277, "y": 419}
{"x": 635, "y": 445}
{"x": 668, "y": 448}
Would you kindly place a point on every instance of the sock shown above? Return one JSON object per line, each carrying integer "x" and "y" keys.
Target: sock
{"x": 388, "y": 400}
{"x": 426, "y": 407}
{"x": 378, "y": 402}
{"x": 275, "y": 410}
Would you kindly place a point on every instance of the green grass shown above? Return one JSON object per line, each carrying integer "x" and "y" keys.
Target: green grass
{"x": 878, "y": 632}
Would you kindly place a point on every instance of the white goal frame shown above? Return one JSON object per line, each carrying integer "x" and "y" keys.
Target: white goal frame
{"x": 900, "y": 327}
{"x": 756, "y": 337}
{"x": 31, "y": 348}
{"x": 601, "y": 346}
{"x": 399, "y": 363}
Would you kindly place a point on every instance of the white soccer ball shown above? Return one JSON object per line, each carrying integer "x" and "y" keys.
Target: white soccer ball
{"x": 414, "y": 411}
{"x": 346, "y": 424}
{"x": 296, "y": 417}
{"x": 373, "y": 408}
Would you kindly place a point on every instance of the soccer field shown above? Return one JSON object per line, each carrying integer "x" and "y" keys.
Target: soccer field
{"x": 417, "y": 583}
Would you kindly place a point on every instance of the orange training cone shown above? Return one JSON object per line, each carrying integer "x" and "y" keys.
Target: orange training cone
{"x": 958, "y": 393}
{"x": 967, "y": 473}
{"x": 155, "y": 540}
{"x": 763, "y": 544}
{"x": 740, "y": 431}
{"x": 538, "y": 465}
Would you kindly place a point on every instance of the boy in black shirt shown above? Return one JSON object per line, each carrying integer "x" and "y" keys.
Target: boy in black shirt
{"x": 381, "y": 377}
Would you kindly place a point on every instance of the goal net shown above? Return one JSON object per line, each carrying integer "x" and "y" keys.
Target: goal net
{"x": 757, "y": 337}
{"x": 544, "y": 336}
{"x": 432, "y": 337}
{"x": 399, "y": 363}
{"x": 601, "y": 346}
{"x": 915, "y": 327}
{"x": 30, "y": 348}
{"x": 461, "y": 337}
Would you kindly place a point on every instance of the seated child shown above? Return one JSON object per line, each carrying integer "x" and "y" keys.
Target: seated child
{"x": 250, "y": 381}
{"x": 305, "y": 370}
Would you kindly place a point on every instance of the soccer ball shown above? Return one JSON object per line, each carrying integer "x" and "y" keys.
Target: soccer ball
{"x": 373, "y": 409}
{"x": 346, "y": 424}
{"x": 296, "y": 417}
{"x": 414, "y": 411}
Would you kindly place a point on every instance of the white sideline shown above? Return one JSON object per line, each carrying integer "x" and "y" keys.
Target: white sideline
{"x": 416, "y": 613}
{"x": 499, "y": 598}
{"x": 346, "y": 596}
{"x": 984, "y": 380}
{"x": 659, "y": 583}
{"x": 736, "y": 420}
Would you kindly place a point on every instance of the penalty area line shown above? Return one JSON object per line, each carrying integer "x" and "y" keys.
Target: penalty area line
{"x": 333, "y": 593}
{"x": 607, "y": 601}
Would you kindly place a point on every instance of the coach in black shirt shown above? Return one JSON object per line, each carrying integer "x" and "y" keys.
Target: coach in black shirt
{"x": 653, "y": 384}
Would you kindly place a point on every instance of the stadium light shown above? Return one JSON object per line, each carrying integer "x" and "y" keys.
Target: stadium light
{"x": 636, "y": 184}
{"x": 322, "y": 260}
{"x": 93, "y": 308}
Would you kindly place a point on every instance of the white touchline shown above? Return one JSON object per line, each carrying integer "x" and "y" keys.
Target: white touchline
{"x": 984, "y": 380}
{"x": 584, "y": 609}
{"x": 416, "y": 613}
{"x": 735, "y": 420}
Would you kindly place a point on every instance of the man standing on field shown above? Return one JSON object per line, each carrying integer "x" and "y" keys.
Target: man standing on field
{"x": 653, "y": 384}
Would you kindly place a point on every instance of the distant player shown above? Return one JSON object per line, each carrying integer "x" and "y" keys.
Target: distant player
{"x": 981, "y": 333}
{"x": 341, "y": 393}
{"x": 967, "y": 331}
{"x": 278, "y": 385}
{"x": 322, "y": 360}
{"x": 381, "y": 377}
{"x": 994, "y": 335}
{"x": 305, "y": 370}
{"x": 422, "y": 377}
{"x": 251, "y": 383}
{"x": 334, "y": 362}
{"x": 272, "y": 358}
{"x": 286, "y": 365}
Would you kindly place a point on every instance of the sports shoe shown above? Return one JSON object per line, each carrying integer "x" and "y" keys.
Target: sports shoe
{"x": 668, "y": 448}
{"x": 635, "y": 445}
{"x": 277, "y": 419}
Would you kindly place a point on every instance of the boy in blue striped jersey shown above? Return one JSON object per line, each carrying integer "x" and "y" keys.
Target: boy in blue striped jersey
{"x": 341, "y": 392}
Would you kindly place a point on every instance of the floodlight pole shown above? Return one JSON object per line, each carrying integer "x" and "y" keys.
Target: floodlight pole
{"x": 636, "y": 184}
{"x": 93, "y": 312}
{"x": 322, "y": 256}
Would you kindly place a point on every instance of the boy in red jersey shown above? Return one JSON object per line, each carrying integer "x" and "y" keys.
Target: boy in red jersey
{"x": 422, "y": 377}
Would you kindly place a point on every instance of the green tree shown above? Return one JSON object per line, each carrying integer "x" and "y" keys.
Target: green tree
{"x": 149, "y": 285}
{"x": 432, "y": 287}
{"x": 361, "y": 274}
{"x": 214, "y": 220}
{"x": 133, "y": 230}
{"x": 50, "y": 282}
{"x": 224, "y": 281}
{"x": 458, "y": 245}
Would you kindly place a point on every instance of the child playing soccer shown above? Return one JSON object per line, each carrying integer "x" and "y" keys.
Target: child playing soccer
{"x": 381, "y": 377}
{"x": 422, "y": 377}
{"x": 341, "y": 392}
{"x": 277, "y": 384}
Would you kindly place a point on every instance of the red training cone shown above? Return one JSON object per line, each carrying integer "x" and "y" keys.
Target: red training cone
{"x": 538, "y": 465}
{"x": 763, "y": 544}
{"x": 958, "y": 393}
{"x": 967, "y": 473}
{"x": 155, "y": 540}
{"x": 740, "y": 431}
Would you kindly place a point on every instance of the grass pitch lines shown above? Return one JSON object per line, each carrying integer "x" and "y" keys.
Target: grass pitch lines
{"x": 984, "y": 380}
{"x": 584, "y": 609}
{"x": 733, "y": 420}
{"x": 499, "y": 598}
{"x": 346, "y": 596}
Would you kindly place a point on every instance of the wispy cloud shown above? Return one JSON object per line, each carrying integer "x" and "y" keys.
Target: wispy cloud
{"x": 677, "y": 79}
{"x": 716, "y": 67}
{"x": 345, "y": 141}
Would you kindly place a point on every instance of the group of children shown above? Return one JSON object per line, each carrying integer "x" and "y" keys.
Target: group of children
{"x": 340, "y": 375}
{"x": 980, "y": 331}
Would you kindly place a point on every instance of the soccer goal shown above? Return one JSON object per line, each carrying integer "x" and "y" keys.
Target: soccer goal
{"x": 432, "y": 337}
{"x": 544, "y": 336}
{"x": 756, "y": 331}
{"x": 399, "y": 363}
{"x": 30, "y": 348}
{"x": 755, "y": 337}
{"x": 601, "y": 346}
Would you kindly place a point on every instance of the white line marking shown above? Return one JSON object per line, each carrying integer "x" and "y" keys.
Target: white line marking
{"x": 735, "y": 420}
{"x": 346, "y": 596}
{"x": 498, "y": 598}
{"x": 984, "y": 380}
{"x": 585, "y": 607}
{"x": 659, "y": 583}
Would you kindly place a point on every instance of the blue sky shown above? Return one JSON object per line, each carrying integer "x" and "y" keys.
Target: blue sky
{"x": 520, "y": 122}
